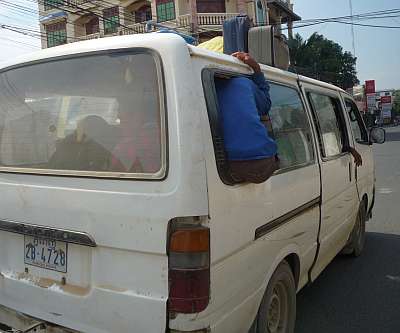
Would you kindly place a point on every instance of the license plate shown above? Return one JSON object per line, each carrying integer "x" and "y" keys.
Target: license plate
{"x": 46, "y": 253}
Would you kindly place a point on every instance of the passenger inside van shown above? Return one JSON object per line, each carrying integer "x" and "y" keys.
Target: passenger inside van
{"x": 244, "y": 104}
{"x": 84, "y": 149}
{"x": 138, "y": 149}
{"x": 129, "y": 144}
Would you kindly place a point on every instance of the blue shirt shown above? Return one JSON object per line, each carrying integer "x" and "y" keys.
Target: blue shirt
{"x": 241, "y": 102}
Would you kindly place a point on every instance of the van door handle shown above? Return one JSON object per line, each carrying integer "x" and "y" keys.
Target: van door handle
{"x": 350, "y": 172}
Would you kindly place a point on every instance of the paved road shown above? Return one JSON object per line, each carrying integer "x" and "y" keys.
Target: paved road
{"x": 363, "y": 295}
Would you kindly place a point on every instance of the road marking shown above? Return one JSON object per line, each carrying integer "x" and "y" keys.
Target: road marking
{"x": 393, "y": 278}
{"x": 385, "y": 190}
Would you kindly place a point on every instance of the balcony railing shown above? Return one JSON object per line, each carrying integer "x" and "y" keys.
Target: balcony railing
{"x": 203, "y": 19}
{"x": 91, "y": 36}
{"x": 214, "y": 19}
{"x": 76, "y": 2}
{"x": 184, "y": 20}
{"x": 182, "y": 23}
{"x": 137, "y": 28}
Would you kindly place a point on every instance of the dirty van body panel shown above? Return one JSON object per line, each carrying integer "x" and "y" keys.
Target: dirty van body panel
{"x": 243, "y": 260}
{"x": 110, "y": 286}
{"x": 339, "y": 201}
{"x": 365, "y": 173}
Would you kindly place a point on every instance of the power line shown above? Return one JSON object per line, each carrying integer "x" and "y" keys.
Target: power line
{"x": 341, "y": 21}
{"x": 19, "y": 42}
{"x": 359, "y": 17}
{"x": 371, "y": 25}
{"x": 88, "y": 11}
{"x": 304, "y": 23}
{"x": 21, "y": 31}
{"x": 29, "y": 32}
{"x": 27, "y": 10}
{"x": 367, "y": 15}
{"x": 131, "y": 18}
{"x": 38, "y": 34}
{"x": 19, "y": 19}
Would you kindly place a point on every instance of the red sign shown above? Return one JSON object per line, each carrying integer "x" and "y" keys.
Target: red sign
{"x": 386, "y": 99}
{"x": 370, "y": 87}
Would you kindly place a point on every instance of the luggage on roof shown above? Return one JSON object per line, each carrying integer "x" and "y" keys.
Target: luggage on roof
{"x": 235, "y": 32}
{"x": 268, "y": 46}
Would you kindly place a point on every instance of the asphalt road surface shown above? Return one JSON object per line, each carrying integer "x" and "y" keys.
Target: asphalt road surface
{"x": 363, "y": 294}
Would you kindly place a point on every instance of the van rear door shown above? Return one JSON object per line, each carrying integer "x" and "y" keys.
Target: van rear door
{"x": 86, "y": 197}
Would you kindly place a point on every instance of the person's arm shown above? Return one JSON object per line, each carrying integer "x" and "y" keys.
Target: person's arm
{"x": 262, "y": 95}
{"x": 356, "y": 155}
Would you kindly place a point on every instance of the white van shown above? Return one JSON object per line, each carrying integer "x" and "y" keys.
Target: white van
{"x": 117, "y": 213}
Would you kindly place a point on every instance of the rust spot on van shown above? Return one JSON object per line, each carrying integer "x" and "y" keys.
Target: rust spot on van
{"x": 50, "y": 283}
{"x": 67, "y": 288}
{"x": 113, "y": 288}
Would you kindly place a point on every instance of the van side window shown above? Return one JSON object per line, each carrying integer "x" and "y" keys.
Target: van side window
{"x": 291, "y": 127}
{"x": 331, "y": 125}
{"x": 357, "y": 125}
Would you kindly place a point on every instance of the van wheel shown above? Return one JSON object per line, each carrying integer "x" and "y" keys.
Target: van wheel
{"x": 357, "y": 238}
{"x": 277, "y": 313}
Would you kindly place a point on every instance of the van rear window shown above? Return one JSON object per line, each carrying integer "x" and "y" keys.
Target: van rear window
{"x": 99, "y": 115}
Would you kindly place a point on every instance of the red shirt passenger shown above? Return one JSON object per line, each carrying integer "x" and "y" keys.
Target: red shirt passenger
{"x": 139, "y": 148}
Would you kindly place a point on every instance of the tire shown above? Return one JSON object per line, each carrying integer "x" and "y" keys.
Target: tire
{"x": 277, "y": 312}
{"x": 356, "y": 242}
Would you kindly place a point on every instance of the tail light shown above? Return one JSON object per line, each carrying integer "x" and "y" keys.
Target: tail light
{"x": 189, "y": 268}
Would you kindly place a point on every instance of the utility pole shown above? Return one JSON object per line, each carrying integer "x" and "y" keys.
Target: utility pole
{"x": 352, "y": 27}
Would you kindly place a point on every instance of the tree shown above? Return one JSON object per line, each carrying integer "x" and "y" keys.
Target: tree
{"x": 396, "y": 103}
{"x": 323, "y": 59}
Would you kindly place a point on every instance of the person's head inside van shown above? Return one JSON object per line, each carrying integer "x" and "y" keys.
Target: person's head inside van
{"x": 131, "y": 115}
{"x": 243, "y": 103}
{"x": 139, "y": 147}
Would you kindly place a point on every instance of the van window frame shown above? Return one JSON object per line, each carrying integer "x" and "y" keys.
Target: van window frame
{"x": 359, "y": 120}
{"x": 342, "y": 122}
{"x": 161, "y": 175}
{"x": 208, "y": 80}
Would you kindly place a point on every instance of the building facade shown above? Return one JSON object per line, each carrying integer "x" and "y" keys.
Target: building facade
{"x": 65, "y": 21}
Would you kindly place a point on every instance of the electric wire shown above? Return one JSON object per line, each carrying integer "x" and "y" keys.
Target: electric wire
{"x": 19, "y": 42}
{"x": 67, "y": 6}
{"x": 25, "y": 9}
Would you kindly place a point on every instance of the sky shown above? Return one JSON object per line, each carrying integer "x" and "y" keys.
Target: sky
{"x": 13, "y": 44}
{"x": 377, "y": 50}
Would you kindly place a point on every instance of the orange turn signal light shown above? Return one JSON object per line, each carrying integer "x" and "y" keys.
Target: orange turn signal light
{"x": 190, "y": 240}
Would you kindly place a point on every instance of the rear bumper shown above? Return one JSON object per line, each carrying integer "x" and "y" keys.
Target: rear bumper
{"x": 101, "y": 309}
{"x": 13, "y": 321}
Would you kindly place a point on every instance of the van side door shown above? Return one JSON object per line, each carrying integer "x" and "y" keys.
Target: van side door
{"x": 339, "y": 192}
{"x": 295, "y": 186}
{"x": 365, "y": 173}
